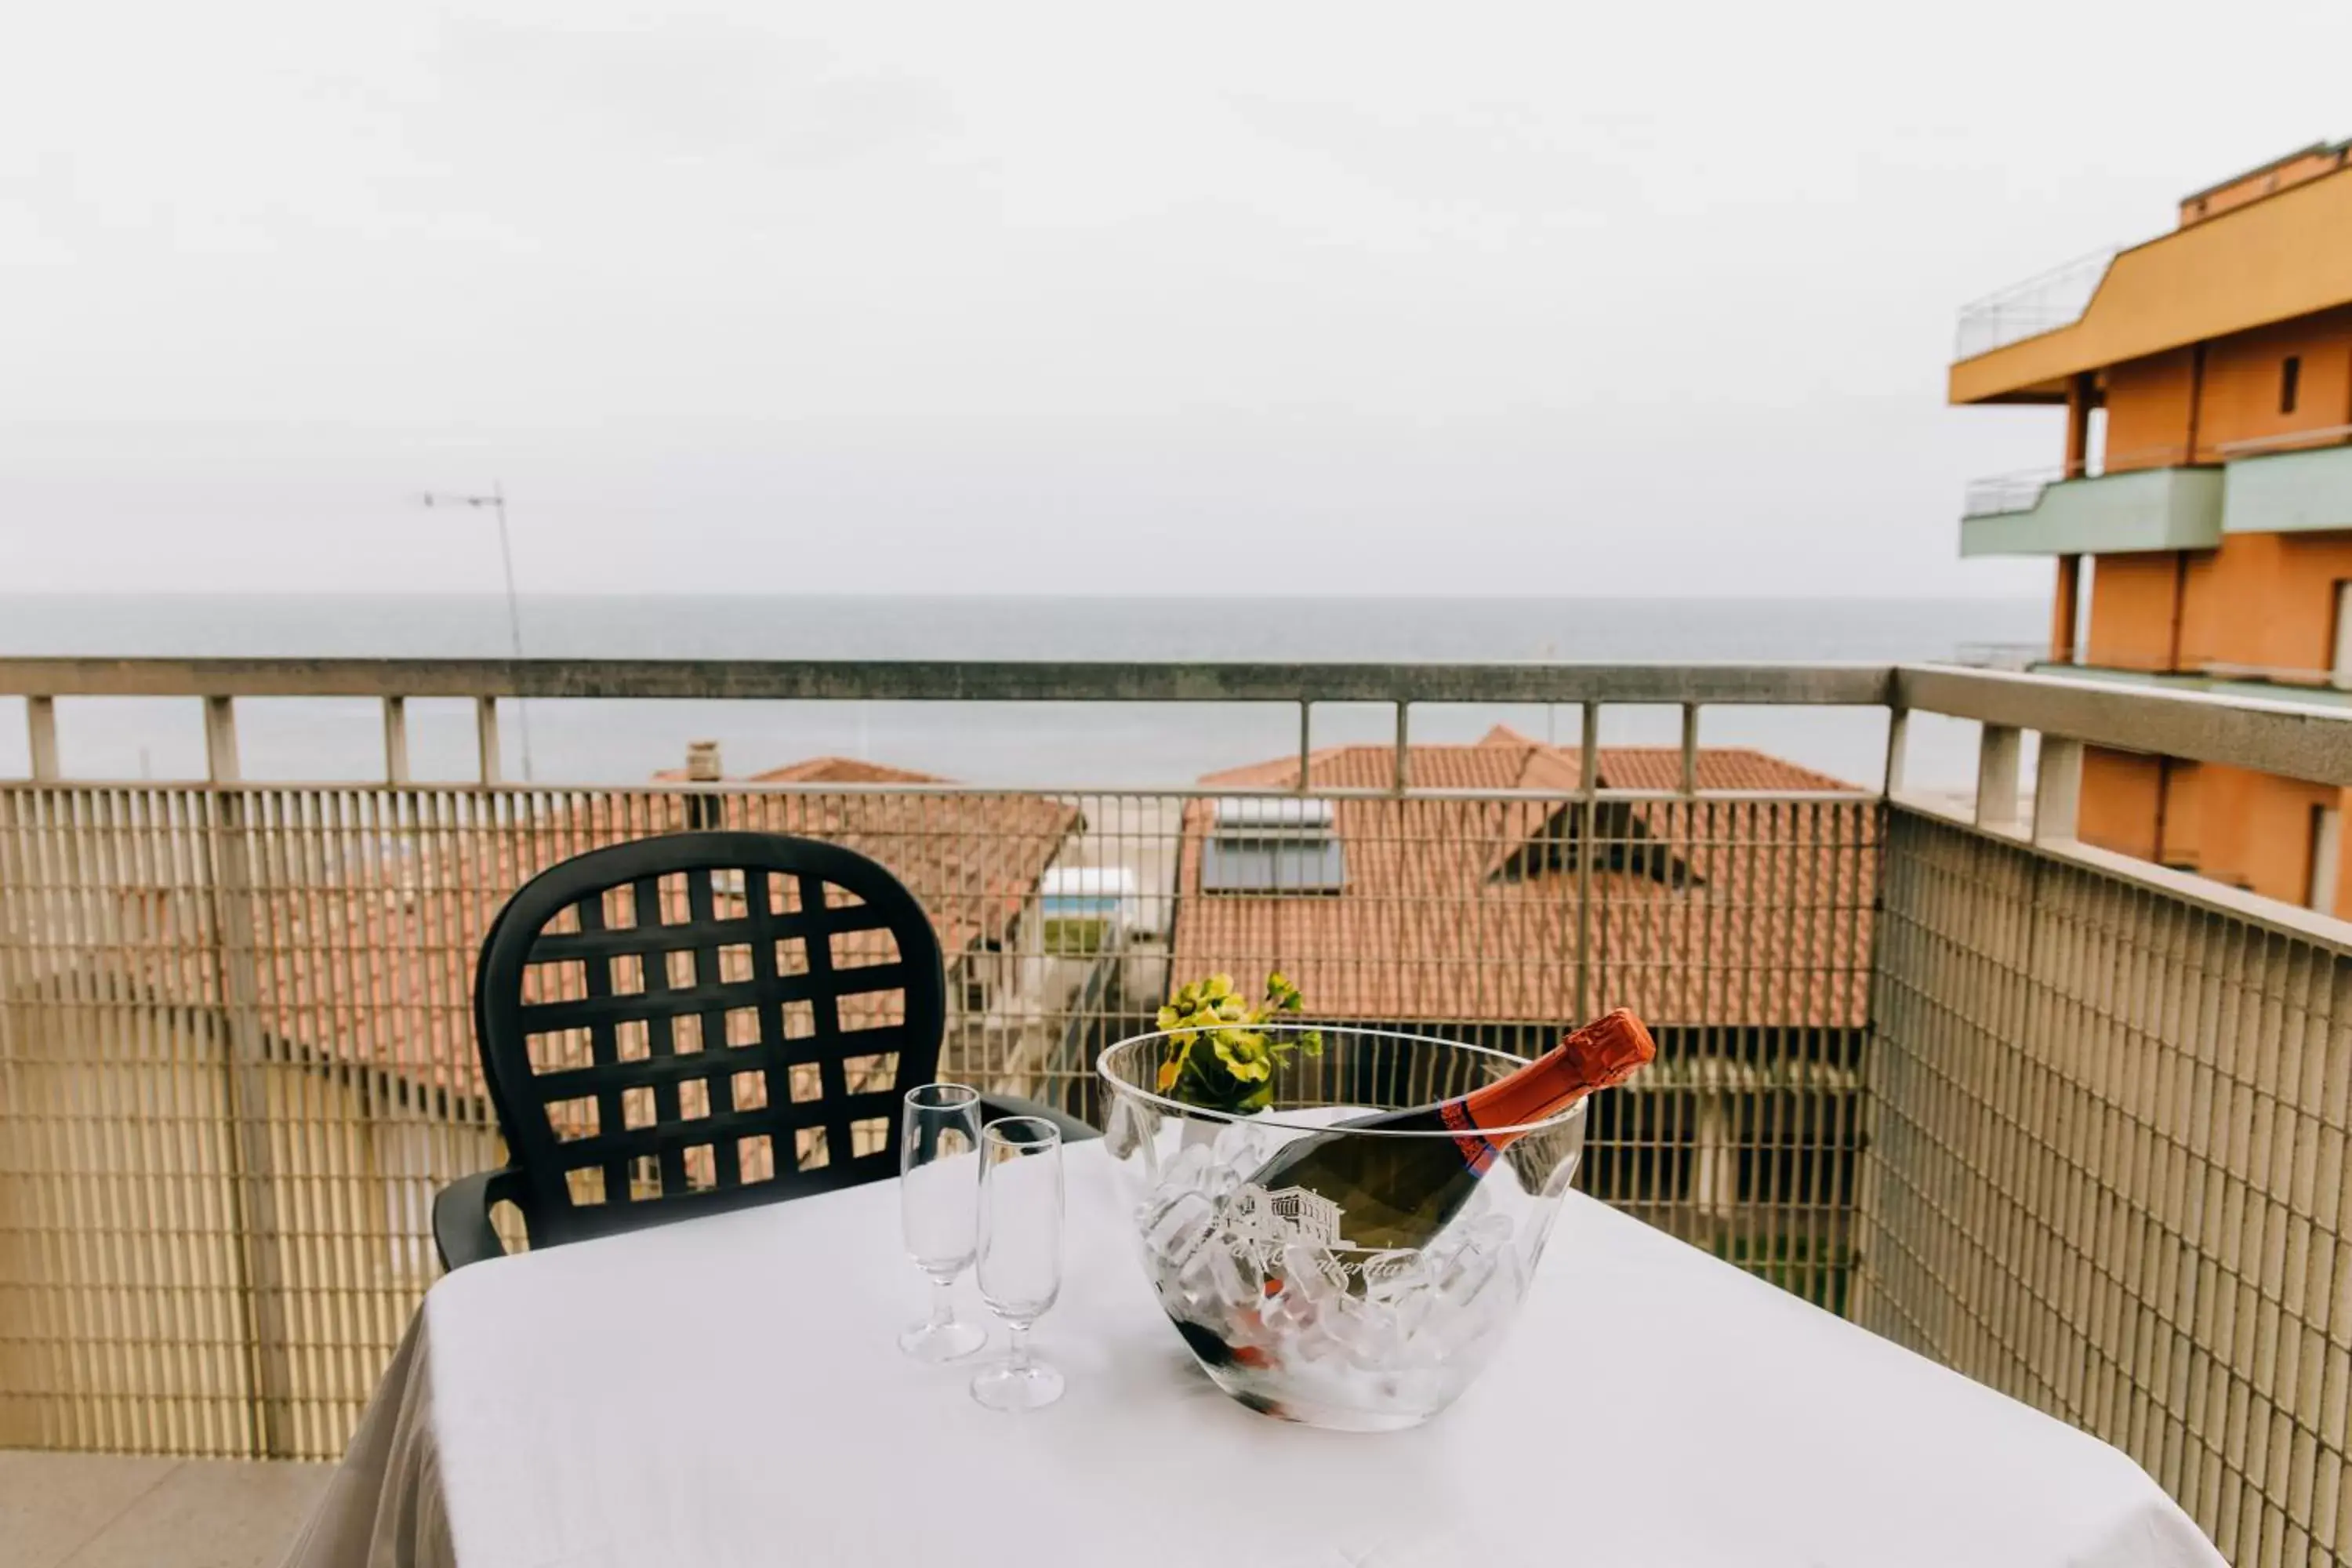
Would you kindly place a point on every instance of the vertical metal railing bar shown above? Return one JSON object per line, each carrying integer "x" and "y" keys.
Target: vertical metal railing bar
{"x": 1865, "y": 931}
{"x": 133, "y": 1134}
{"x": 1587, "y": 778}
{"x": 2225, "y": 1218}
{"x": 395, "y": 739}
{"x": 81, "y": 1221}
{"x": 1821, "y": 1148}
{"x": 99, "y": 1415}
{"x": 1742, "y": 1117}
{"x": 111, "y": 1128}
{"x": 306, "y": 954}
{"x": 114, "y": 1105}
{"x": 157, "y": 897}
{"x": 488, "y": 761}
{"x": 212, "y": 1348}
{"x": 2150, "y": 1289}
{"x": 23, "y": 887}
{"x": 1692, "y": 1195}
{"x": 1809, "y": 1154}
{"x": 20, "y": 1229}
{"x": 50, "y": 1017}
{"x": 41, "y": 737}
{"x": 246, "y": 1081}
{"x": 1648, "y": 1179}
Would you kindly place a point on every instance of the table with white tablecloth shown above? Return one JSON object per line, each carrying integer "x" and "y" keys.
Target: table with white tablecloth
{"x": 728, "y": 1392}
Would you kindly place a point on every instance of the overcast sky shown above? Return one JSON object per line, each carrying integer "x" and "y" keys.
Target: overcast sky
{"x": 1065, "y": 297}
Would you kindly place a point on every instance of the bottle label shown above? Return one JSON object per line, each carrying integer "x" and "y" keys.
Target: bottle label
{"x": 1476, "y": 1151}
{"x": 1264, "y": 1225}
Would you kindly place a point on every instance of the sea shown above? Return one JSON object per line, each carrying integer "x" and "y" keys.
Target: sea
{"x": 1064, "y": 746}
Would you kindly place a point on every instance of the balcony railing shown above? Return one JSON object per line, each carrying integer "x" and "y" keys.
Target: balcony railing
{"x": 2041, "y": 303}
{"x": 2075, "y": 1124}
{"x": 2021, "y": 489}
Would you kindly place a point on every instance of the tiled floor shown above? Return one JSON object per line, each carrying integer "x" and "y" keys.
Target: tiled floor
{"x": 103, "y": 1510}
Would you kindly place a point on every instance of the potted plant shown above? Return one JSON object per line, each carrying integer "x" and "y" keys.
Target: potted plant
{"x": 1219, "y": 1054}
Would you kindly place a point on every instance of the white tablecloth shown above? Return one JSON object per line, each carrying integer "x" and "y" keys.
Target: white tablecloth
{"x": 728, "y": 1392}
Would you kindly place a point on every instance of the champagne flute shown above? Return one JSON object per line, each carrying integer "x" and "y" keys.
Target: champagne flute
{"x": 1020, "y": 1253}
{"x": 939, "y": 1184}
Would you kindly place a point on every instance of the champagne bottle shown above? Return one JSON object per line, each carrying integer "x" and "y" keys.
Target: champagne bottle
{"x": 1381, "y": 1194}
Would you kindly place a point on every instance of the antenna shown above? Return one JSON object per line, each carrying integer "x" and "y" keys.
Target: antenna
{"x": 496, "y": 500}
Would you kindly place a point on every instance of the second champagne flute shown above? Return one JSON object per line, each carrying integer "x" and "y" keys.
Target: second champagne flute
{"x": 938, "y": 1205}
{"x": 1020, "y": 1253}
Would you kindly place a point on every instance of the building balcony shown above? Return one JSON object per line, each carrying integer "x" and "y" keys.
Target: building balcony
{"x": 236, "y": 1057}
{"x": 2284, "y": 256}
{"x": 2178, "y": 507}
{"x": 2042, "y": 303}
{"x": 2297, "y": 483}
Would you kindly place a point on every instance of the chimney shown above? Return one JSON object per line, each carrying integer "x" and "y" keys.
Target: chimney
{"x": 702, "y": 762}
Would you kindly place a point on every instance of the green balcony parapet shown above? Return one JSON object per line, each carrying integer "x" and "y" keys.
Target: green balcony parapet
{"x": 2307, "y": 490}
{"x": 2176, "y": 507}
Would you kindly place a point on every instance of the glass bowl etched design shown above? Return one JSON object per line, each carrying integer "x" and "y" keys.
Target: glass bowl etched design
{"x": 1284, "y": 1309}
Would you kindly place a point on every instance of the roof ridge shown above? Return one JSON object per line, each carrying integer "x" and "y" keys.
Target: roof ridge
{"x": 816, "y": 768}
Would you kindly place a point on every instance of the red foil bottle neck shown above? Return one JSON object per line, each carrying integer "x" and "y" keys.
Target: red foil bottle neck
{"x": 1606, "y": 1051}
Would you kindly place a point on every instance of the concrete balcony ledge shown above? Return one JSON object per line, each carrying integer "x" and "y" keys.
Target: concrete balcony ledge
{"x": 2145, "y": 508}
{"x": 2306, "y": 491}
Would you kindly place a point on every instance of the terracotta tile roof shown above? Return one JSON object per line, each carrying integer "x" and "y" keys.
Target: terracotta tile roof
{"x": 374, "y": 962}
{"x": 843, "y": 770}
{"x": 1705, "y": 912}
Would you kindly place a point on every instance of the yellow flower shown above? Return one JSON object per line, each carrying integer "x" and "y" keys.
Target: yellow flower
{"x": 1245, "y": 1066}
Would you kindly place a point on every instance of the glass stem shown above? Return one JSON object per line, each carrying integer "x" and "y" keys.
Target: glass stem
{"x": 942, "y": 1302}
{"x": 1018, "y": 1357}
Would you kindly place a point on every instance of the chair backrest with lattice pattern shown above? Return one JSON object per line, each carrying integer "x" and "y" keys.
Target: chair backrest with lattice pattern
{"x": 703, "y": 1021}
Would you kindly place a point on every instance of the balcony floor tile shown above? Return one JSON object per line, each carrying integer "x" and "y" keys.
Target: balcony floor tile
{"x": 108, "y": 1511}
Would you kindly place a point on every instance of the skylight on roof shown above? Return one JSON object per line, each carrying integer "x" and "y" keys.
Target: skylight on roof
{"x": 1267, "y": 844}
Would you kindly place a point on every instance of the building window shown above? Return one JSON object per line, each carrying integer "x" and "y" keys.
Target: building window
{"x": 2339, "y": 662}
{"x": 2326, "y": 853}
{"x": 2290, "y": 382}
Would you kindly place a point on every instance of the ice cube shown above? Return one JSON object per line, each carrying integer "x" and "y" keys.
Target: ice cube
{"x": 1487, "y": 1232}
{"x": 1289, "y": 1309}
{"x": 1220, "y": 1182}
{"x": 1223, "y": 1276}
{"x": 1187, "y": 1170}
{"x": 1195, "y": 1281}
{"x": 1241, "y": 1282}
{"x": 1314, "y": 1343}
{"x": 1367, "y": 1331}
{"x": 1406, "y": 1306}
{"x": 1457, "y": 1276}
{"x": 1313, "y": 1272}
{"x": 1472, "y": 1304}
{"x": 1175, "y": 1226}
{"x": 1242, "y": 1146}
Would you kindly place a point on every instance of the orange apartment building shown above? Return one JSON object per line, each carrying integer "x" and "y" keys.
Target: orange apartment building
{"x": 2200, "y": 519}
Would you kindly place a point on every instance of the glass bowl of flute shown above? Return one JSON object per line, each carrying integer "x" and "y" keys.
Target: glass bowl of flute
{"x": 1342, "y": 1222}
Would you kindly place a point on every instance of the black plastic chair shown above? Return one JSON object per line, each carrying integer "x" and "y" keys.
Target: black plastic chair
{"x": 675, "y": 1026}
